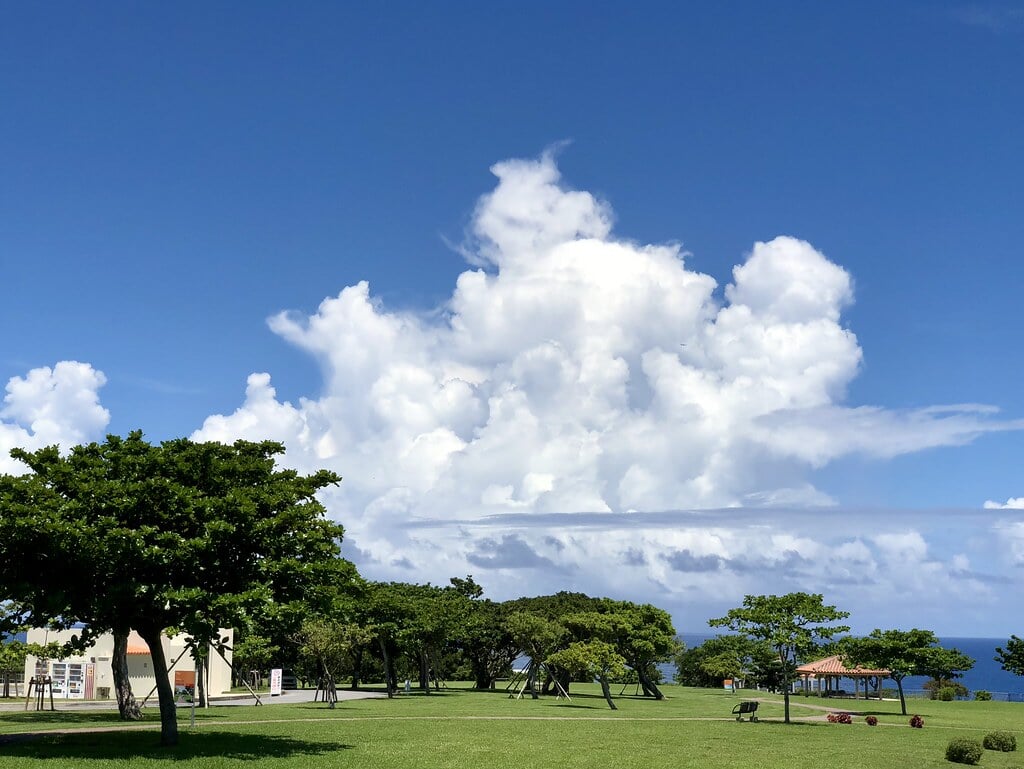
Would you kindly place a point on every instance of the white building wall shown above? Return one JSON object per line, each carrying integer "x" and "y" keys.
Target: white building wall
{"x": 96, "y": 674}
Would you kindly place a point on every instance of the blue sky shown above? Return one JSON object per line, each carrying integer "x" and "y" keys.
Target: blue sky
{"x": 175, "y": 176}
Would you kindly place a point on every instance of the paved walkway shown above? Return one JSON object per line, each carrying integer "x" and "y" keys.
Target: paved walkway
{"x": 287, "y": 696}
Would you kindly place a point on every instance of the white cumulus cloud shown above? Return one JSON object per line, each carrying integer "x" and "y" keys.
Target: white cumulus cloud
{"x": 571, "y": 370}
{"x": 49, "y": 406}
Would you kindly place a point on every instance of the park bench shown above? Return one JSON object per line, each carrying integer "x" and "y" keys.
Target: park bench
{"x": 745, "y": 708}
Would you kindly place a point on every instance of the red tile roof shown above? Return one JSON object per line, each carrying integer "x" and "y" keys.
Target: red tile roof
{"x": 833, "y": 666}
{"x": 136, "y": 645}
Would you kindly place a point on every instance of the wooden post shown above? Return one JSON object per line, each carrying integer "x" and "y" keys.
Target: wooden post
{"x": 39, "y": 687}
{"x": 252, "y": 691}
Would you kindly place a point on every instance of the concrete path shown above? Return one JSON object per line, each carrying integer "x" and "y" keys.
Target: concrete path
{"x": 287, "y": 696}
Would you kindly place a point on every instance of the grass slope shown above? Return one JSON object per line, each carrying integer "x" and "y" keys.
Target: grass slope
{"x": 459, "y": 729}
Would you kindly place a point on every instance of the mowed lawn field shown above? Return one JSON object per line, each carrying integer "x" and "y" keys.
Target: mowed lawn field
{"x": 459, "y": 728}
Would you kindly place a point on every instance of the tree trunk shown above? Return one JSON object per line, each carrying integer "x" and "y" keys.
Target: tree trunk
{"x": 199, "y": 690}
{"x": 564, "y": 677}
{"x": 786, "y": 668}
{"x": 903, "y": 702}
{"x": 606, "y": 690}
{"x": 127, "y": 706}
{"x": 531, "y": 680}
{"x": 650, "y": 688}
{"x": 387, "y": 668}
{"x": 424, "y": 671}
{"x": 357, "y": 667}
{"x": 327, "y": 684}
{"x": 555, "y": 678}
{"x": 482, "y": 677}
{"x": 165, "y": 693}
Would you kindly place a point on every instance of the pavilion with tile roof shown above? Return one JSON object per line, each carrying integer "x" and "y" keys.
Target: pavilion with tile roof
{"x": 828, "y": 672}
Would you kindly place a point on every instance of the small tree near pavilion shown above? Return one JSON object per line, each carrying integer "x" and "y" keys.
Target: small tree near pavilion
{"x": 792, "y": 624}
{"x": 905, "y": 653}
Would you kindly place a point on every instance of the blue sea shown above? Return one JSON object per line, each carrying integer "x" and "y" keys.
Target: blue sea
{"x": 986, "y": 674}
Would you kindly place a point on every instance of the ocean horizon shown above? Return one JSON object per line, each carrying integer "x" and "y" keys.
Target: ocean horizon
{"x": 986, "y": 675}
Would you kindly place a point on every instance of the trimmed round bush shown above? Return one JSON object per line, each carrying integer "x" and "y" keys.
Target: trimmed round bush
{"x": 871, "y": 721}
{"x": 963, "y": 751}
{"x": 1003, "y": 741}
{"x": 982, "y": 696}
{"x": 946, "y": 694}
{"x": 917, "y": 722}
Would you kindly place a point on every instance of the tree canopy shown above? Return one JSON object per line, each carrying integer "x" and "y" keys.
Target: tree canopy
{"x": 792, "y": 624}
{"x": 181, "y": 535}
{"x": 1012, "y": 657}
{"x": 905, "y": 653}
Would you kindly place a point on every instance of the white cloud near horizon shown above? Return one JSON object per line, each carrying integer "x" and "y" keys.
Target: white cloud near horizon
{"x": 572, "y": 371}
{"x": 1013, "y": 503}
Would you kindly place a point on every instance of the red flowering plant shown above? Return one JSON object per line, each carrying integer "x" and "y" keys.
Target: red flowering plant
{"x": 917, "y": 722}
{"x": 871, "y": 721}
{"x": 840, "y": 718}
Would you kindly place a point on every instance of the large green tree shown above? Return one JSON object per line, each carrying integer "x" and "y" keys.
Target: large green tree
{"x": 12, "y": 662}
{"x": 251, "y": 655}
{"x": 182, "y": 535}
{"x": 328, "y": 644}
{"x": 538, "y": 638}
{"x": 485, "y": 642}
{"x": 905, "y": 653}
{"x": 591, "y": 659}
{"x": 643, "y": 636}
{"x": 792, "y": 624}
{"x": 390, "y": 611}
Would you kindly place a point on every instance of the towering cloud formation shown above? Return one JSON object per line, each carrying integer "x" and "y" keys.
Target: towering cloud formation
{"x": 574, "y": 372}
{"x": 51, "y": 406}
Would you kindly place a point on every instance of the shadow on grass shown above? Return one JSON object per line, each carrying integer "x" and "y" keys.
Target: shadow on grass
{"x": 639, "y": 698}
{"x": 105, "y": 746}
{"x": 791, "y": 725}
{"x": 319, "y": 707}
{"x": 35, "y": 718}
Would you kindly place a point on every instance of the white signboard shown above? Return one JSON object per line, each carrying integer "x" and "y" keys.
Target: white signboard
{"x": 275, "y": 682}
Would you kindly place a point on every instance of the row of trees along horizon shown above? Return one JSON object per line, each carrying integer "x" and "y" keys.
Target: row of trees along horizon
{"x": 187, "y": 538}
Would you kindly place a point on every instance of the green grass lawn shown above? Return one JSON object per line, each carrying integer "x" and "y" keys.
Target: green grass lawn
{"x": 459, "y": 728}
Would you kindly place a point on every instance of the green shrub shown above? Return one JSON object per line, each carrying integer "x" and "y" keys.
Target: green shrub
{"x": 946, "y": 694}
{"x": 934, "y": 685}
{"x": 963, "y": 751}
{"x": 982, "y": 696}
{"x": 1003, "y": 741}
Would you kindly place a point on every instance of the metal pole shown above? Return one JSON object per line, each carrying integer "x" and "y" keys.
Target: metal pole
{"x": 195, "y": 680}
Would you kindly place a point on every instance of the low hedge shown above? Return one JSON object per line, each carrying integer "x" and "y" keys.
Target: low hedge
{"x": 964, "y": 751}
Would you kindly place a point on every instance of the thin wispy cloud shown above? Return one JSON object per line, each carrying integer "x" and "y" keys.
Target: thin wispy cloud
{"x": 160, "y": 386}
{"x": 994, "y": 18}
